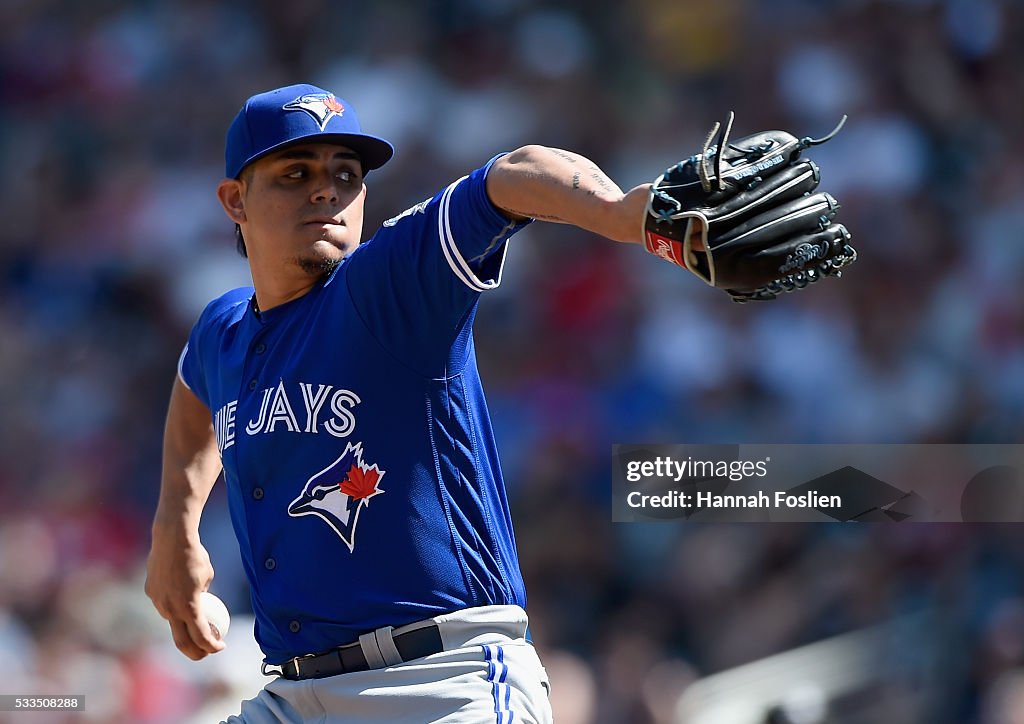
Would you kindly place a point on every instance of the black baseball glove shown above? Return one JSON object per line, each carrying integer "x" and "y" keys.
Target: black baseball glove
{"x": 747, "y": 219}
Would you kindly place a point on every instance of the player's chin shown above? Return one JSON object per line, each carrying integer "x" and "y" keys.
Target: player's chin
{"x": 322, "y": 256}
{"x": 332, "y": 246}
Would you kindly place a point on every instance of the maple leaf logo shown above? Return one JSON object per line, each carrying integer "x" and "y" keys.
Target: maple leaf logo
{"x": 361, "y": 483}
{"x": 333, "y": 106}
{"x": 337, "y": 497}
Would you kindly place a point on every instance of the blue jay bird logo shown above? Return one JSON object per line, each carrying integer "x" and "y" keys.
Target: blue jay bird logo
{"x": 321, "y": 106}
{"x": 339, "y": 492}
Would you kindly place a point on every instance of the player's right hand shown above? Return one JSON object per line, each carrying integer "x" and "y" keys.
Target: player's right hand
{"x": 177, "y": 571}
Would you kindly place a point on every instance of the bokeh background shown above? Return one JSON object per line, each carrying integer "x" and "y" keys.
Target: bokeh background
{"x": 112, "y": 119}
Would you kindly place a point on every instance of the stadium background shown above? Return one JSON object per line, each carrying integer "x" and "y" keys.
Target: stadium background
{"x": 112, "y": 118}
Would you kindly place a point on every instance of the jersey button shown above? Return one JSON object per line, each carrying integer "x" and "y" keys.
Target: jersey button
{"x": 261, "y": 348}
{"x": 294, "y": 626}
{"x": 270, "y": 564}
{"x": 252, "y": 384}
{"x": 257, "y": 493}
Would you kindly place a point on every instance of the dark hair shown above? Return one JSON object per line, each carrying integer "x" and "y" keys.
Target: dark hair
{"x": 240, "y": 242}
{"x": 244, "y": 175}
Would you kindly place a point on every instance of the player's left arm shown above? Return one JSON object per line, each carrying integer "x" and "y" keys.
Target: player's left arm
{"x": 550, "y": 184}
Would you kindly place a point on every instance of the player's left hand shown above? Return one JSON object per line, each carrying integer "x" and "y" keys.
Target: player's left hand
{"x": 744, "y": 217}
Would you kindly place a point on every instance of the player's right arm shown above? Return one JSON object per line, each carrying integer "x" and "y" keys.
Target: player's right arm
{"x": 179, "y": 568}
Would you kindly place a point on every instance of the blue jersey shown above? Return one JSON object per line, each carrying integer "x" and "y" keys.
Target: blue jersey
{"x": 362, "y": 475}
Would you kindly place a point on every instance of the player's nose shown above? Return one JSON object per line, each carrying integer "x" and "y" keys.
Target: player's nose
{"x": 325, "y": 192}
{"x": 325, "y": 189}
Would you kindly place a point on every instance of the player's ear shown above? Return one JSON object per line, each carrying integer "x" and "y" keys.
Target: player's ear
{"x": 229, "y": 192}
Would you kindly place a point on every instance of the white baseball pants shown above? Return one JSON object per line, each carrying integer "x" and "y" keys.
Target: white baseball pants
{"x": 488, "y": 672}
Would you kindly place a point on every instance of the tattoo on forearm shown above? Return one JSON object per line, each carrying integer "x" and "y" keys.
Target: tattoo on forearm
{"x": 562, "y": 154}
{"x": 603, "y": 182}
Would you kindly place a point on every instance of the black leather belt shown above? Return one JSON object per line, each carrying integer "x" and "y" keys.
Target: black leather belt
{"x": 345, "y": 659}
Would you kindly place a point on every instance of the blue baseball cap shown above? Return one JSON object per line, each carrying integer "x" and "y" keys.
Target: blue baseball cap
{"x": 295, "y": 114}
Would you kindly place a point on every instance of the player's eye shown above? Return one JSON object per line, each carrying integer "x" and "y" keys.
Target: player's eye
{"x": 347, "y": 177}
{"x": 296, "y": 173}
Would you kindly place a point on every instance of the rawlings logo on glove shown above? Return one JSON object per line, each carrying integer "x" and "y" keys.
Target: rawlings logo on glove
{"x": 745, "y": 219}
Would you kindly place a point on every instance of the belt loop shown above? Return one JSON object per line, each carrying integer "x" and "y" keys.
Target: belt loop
{"x": 386, "y": 645}
{"x": 372, "y": 652}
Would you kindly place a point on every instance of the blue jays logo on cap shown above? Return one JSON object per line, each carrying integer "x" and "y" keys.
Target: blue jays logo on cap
{"x": 339, "y": 492}
{"x": 295, "y": 114}
{"x": 322, "y": 106}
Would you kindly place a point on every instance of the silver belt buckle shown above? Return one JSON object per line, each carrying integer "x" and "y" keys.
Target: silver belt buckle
{"x": 295, "y": 662}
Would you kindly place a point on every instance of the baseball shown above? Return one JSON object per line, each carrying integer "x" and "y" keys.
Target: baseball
{"x": 216, "y": 613}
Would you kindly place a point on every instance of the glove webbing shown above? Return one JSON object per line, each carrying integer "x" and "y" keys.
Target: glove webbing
{"x": 831, "y": 267}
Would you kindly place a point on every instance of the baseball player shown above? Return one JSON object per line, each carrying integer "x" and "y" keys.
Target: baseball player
{"x": 341, "y": 398}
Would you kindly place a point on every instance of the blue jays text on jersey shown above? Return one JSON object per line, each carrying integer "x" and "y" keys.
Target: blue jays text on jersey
{"x": 362, "y": 475}
{"x": 278, "y": 409}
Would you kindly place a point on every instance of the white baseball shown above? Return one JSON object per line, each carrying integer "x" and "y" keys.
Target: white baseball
{"x": 216, "y": 613}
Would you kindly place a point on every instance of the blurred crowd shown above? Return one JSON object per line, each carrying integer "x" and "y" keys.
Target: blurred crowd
{"x": 112, "y": 121}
